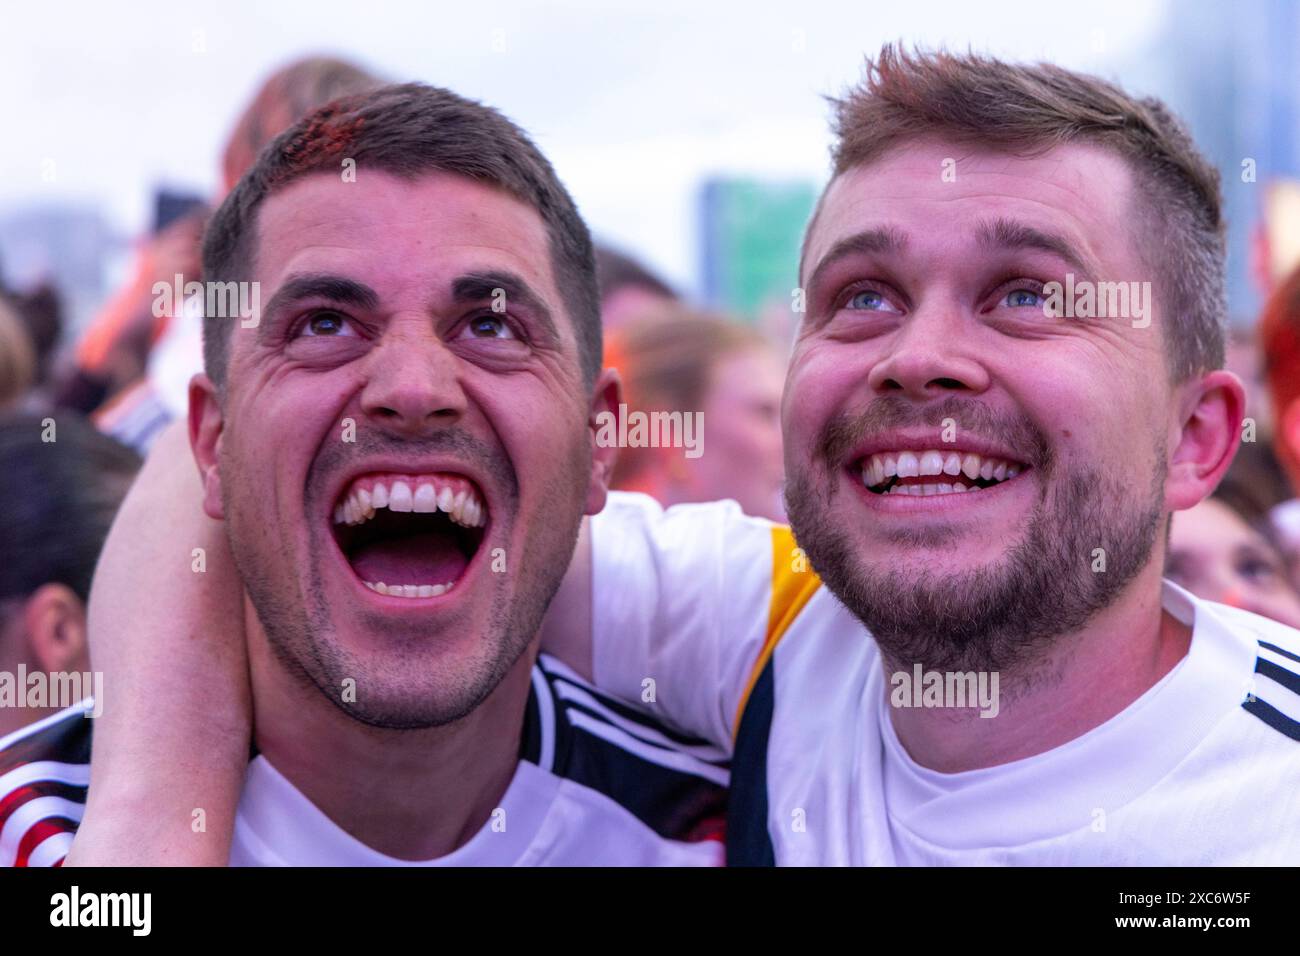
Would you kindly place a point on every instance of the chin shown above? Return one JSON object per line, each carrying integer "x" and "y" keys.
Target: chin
{"x": 404, "y": 692}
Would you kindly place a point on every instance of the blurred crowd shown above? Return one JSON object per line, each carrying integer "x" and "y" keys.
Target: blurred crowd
{"x": 111, "y": 391}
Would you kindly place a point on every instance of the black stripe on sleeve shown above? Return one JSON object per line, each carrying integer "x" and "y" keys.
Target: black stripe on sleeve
{"x": 1273, "y": 717}
{"x": 1280, "y": 674}
{"x": 1277, "y": 650}
{"x": 748, "y": 842}
{"x": 623, "y": 710}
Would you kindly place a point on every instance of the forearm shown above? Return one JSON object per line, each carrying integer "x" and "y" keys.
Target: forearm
{"x": 171, "y": 746}
{"x": 566, "y": 630}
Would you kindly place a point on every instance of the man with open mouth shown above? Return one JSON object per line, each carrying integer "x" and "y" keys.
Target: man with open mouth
{"x": 399, "y": 452}
{"x": 982, "y": 476}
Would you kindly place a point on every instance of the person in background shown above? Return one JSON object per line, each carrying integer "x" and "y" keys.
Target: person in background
{"x": 41, "y": 310}
{"x": 628, "y": 290}
{"x": 17, "y": 358}
{"x": 682, "y": 361}
{"x": 1245, "y": 359}
{"x": 60, "y": 486}
{"x": 1279, "y": 339}
{"x": 1217, "y": 555}
{"x": 162, "y": 353}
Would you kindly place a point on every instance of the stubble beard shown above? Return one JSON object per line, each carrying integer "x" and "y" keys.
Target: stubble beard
{"x": 1002, "y": 616}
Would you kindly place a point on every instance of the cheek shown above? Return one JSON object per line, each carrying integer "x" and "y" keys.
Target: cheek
{"x": 277, "y": 433}
{"x": 543, "y": 437}
{"x": 729, "y": 443}
{"x": 821, "y": 384}
{"x": 1090, "y": 416}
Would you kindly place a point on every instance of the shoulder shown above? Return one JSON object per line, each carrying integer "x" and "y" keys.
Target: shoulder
{"x": 44, "y": 772}
{"x": 673, "y": 783}
{"x": 1275, "y": 690}
{"x": 709, "y": 531}
{"x": 1264, "y": 652}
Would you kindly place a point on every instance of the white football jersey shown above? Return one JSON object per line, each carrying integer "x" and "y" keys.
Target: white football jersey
{"x": 744, "y": 647}
{"x": 597, "y": 784}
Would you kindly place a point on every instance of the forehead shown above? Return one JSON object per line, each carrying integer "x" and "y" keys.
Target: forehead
{"x": 399, "y": 233}
{"x": 939, "y": 193}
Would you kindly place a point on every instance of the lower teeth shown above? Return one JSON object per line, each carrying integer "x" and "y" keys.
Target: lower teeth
{"x": 410, "y": 590}
{"x": 940, "y": 488}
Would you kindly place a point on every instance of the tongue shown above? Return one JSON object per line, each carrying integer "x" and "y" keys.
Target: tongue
{"x": 429, "y": 558}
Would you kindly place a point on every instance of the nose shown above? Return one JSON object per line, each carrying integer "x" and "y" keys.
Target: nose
{"x": 930, "y": 356}
{"x": 413, "y": 382}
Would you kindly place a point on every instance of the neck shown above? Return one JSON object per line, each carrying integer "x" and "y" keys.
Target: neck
{"x": 1082, "y": 680}
{"x": 410, "y": 794}
{"x": 23, "y": 681}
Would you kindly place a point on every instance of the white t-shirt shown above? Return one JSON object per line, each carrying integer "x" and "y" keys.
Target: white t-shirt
{"x": 748, "y": 650}
{"x": 597, "y": 784}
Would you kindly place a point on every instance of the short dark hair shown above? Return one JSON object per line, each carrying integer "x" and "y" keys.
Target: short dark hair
{"x": 59, "y": 497}
{"x": 407, "y": 130}
{"x": 1029, "y": 109}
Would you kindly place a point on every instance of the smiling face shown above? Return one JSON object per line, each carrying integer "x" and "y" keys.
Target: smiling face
{"x": 955, "y": 454}
{"x": 402, "y": 447}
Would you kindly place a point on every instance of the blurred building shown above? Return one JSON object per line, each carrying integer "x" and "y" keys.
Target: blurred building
{"x": 70, "y": 245}
{"x": 751, "y": 231}
{"x": 1233, "y": 72}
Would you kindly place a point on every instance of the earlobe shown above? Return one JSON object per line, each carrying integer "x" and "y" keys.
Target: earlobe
{"x": 206, "y": 421}
{"x": 1207, "y": 441}
{"x": 603, "y": 429}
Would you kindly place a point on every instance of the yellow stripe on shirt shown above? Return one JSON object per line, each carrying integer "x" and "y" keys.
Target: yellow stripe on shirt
{"x": 793, "y": 583}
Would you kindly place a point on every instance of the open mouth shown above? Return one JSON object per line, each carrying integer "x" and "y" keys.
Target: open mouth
{"x": 933, "y": 472}
{"x": 410, "y": 536}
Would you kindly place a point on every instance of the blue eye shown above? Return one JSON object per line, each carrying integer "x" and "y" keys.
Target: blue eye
{"x": 1023, "y": 298}
{"x": 867, "y": 300}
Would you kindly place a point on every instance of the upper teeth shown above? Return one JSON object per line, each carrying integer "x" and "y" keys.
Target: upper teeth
{"x": 455, "y": 496}
{"x": 913, "y": 464}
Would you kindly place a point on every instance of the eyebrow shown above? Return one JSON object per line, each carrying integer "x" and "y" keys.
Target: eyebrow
{"x": 1001, "y": 233}
{"x": 317, "y": 285}
{"x": 1008, "y": 234}
{"x": 468, "y": 288}
{"x": 879, "y": 240}
{"x": 480, "y": 286}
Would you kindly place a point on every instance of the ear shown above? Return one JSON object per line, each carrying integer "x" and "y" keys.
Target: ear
{"x": 206, "y": 423}
{"x": 1207, "y": 438}
{"x": 603, "y": 428}
{"x": 54, "y": 621}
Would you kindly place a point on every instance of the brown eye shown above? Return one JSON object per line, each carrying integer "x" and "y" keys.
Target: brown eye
{"x": 489, "y": 327}
{"x": 322, "y": 324}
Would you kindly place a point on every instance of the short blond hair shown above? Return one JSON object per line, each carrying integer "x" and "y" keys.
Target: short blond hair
{"x": 1029, "y": 109}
